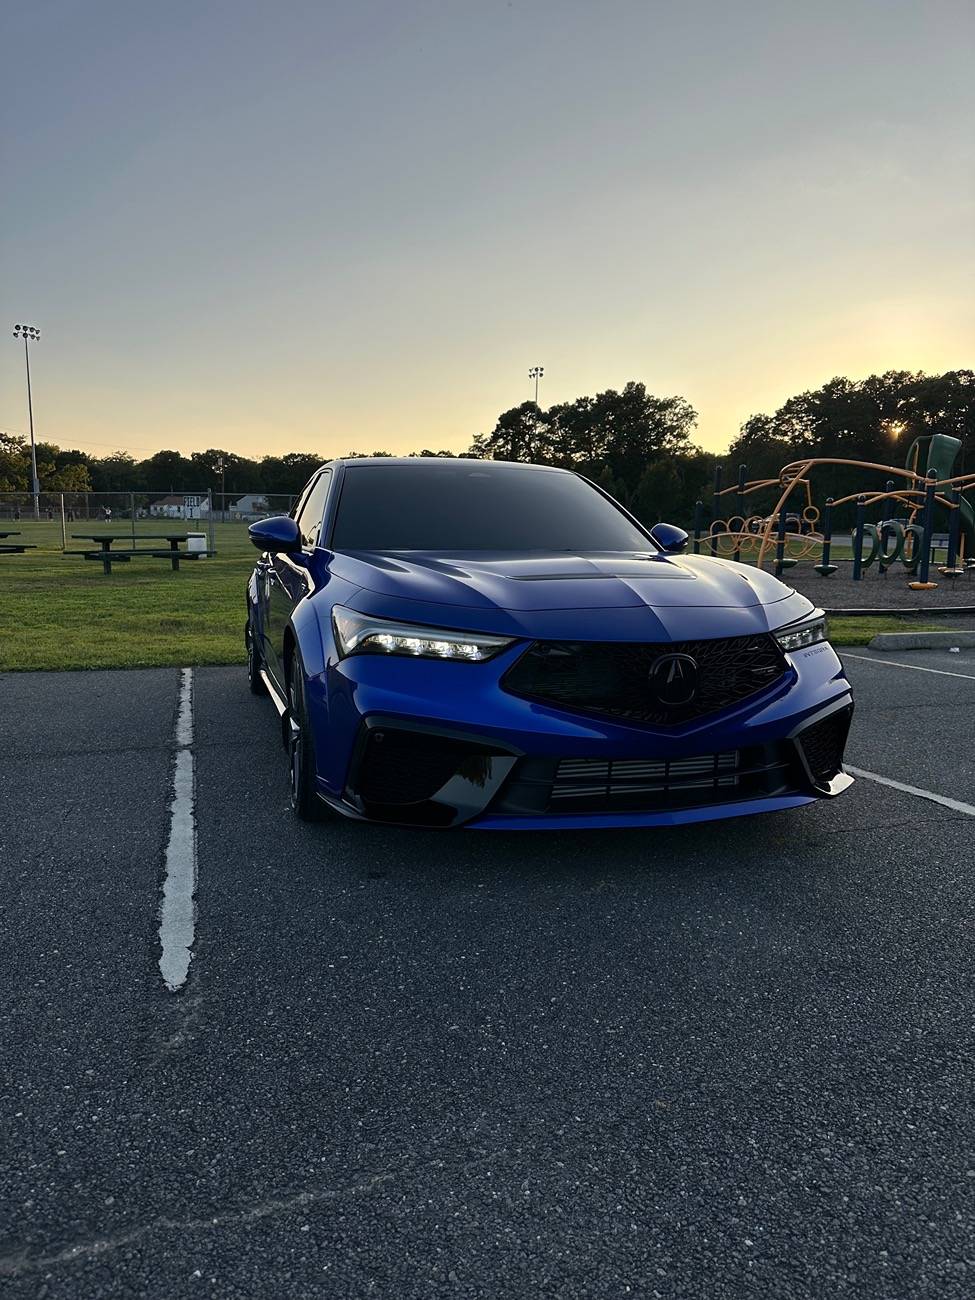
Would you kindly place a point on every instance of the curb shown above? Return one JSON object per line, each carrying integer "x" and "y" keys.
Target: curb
{"x": 922, "y": 640}
{"x": 912, "y": 611}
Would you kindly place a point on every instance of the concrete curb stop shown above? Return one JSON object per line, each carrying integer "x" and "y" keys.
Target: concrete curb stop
{"x": 922, "y": 640}
{"x": 904, "y": 611}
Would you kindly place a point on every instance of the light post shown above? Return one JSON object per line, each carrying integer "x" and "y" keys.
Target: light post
{"x": 536, "y": 373}
{"x": 221, "y": 465}
{"x": 31, "y": 335}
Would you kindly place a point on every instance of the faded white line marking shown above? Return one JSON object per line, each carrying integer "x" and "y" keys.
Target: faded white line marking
{"x": 954, "y": 804}
{"x": 177, "y": 914}
{"x": 915, "y": 668}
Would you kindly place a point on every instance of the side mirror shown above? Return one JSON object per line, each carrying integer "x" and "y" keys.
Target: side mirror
{"x": 669, "y": 537}
{"x": 279, "y": 533}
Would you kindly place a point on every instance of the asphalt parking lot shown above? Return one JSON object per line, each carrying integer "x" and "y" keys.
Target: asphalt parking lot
{"x": 717, "y": 1061}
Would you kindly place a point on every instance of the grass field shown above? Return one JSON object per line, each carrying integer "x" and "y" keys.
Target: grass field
{"x": 854, "y": 630}
{"x": 61, "y": 611}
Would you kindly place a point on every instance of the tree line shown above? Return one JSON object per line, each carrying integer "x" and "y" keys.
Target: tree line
{"x": 874, "y": 419}
{"x": 638, "y": 446}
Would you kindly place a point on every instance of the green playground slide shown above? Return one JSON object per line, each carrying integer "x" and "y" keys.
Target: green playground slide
{"x": 942, "y": 452}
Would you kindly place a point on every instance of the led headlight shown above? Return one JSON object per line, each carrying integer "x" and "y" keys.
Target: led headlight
{"x": 798, "y": 635}
{"x": 363, "y": 634}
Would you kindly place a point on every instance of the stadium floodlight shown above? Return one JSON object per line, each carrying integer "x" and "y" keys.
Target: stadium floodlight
{"x": 536, "y": 373}
{"x": 31, "y": 334}
{"x": 220, "y": 465}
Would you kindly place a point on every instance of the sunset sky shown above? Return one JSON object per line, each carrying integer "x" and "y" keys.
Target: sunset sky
{"x": 331, "y": 227}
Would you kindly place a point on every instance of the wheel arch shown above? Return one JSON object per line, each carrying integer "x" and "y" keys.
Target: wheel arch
{"x": 304, "y": 632}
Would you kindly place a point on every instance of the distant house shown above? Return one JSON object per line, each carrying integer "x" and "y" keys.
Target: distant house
{"x": 179, "y": 505}
{"x": 251, "y": 506}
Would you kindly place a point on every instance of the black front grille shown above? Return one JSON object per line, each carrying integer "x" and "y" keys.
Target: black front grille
{"x": 823, "y": 743}
{"x": 581, "y": 785}
{"x": 614, "y": 678}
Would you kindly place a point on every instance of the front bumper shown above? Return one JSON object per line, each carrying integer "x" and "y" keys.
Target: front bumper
{"x": 431, "y": 744}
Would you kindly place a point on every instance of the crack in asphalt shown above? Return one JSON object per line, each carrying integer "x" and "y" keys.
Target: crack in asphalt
{"x": 181, "y": 1031}
{"x": 21, "y": 1264}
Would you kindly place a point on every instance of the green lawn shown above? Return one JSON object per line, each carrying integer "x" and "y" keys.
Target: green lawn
{"x": 853, "y": 630}
{"x": 61, "y": 611}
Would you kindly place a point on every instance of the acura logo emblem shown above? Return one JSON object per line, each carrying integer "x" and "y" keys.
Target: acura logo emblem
{"x": 673, "y": 679}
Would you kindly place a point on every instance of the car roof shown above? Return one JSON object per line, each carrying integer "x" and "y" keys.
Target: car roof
{"x": 352, "y": 461}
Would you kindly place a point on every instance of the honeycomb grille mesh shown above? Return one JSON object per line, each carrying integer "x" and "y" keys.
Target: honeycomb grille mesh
{"x": 614, "y": 679}
{"x": 823, "y": 743}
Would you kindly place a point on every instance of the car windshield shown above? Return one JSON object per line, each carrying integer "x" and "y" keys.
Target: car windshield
{"x": 468, "y": 506}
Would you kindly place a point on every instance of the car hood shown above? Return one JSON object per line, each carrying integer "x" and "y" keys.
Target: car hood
{"x": 614, "y": 596}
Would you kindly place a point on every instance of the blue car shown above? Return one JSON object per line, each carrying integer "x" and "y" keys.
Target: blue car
{"x": 502, "y": 646}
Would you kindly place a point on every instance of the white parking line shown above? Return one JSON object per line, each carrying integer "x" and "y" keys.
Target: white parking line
{"x": 177, "y": 913}
{"x": 954, "y": 804}
{"x": 915, "y": 668}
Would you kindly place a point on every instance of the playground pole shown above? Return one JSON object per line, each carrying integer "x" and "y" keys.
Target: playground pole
{"x": 780, "y": 545}
{"x": 715, "y": 506}
{"x": 858, "y": 539}
{"x": 742, "y": 477}
{"x": 824, "y": 568}
{"x": 881, "y": 567}
{"x": 954, "y": 529}
{"x": 927, "y": 527}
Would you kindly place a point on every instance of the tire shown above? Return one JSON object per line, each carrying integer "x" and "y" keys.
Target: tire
{"x": 305, "y": 803}
{"x": 254, "y": 663}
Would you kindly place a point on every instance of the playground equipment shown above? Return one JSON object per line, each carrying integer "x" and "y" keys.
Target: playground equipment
{"x": 795, "y": 529}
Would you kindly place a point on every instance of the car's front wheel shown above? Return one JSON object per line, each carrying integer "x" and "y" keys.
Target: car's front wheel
{"x": 305, "y": 802}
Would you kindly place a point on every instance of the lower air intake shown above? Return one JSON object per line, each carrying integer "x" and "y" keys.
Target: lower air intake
{"x": 623, "y": 779}
{"x": 403, "y": 767}
{"x": 586, "y": 785}
{"x": 399, "y": 773}
{"x": 823, "y": 743}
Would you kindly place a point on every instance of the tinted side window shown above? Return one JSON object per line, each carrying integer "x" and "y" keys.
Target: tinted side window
{"x": 309, "y": 516}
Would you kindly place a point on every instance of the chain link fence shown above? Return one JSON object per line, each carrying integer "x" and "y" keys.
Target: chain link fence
{"x": 234, "y": 511}
{"x": 69, "y": 521}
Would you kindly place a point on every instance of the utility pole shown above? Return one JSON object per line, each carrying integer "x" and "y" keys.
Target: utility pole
{"x": 536, "y": 373}
{"x": 31, "y": 335}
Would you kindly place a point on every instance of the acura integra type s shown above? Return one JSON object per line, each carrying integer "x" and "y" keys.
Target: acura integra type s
{"x": 502, "y": 646}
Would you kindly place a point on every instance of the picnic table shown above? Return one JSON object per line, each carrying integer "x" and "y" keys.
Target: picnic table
{"x": 13, "y": 548}
{"x": 108, "y": 557}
